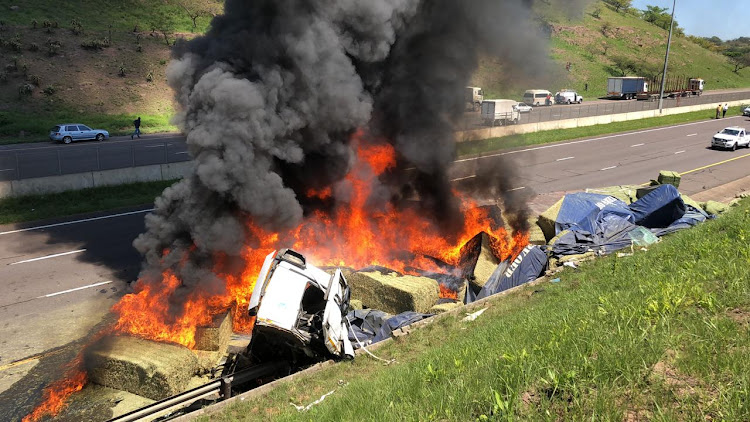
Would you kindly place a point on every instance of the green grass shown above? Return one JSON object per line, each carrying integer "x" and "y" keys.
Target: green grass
{"x": 37, "y": 207}
{"x": 662, "y": 335}
{"x": 37, "y": 126}
{"x": 549, "y": 136}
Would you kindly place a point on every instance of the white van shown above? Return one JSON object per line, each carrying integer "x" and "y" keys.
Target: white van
{"x": 568, "y": 96}
{"x": 500, "y": 112}
{"x": 538, "y": 97}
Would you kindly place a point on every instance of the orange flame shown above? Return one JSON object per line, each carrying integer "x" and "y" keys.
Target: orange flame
{"x": 356, "y": 233}
{"x": 56, "y": 394}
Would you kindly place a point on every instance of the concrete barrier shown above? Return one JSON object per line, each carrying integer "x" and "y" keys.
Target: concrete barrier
{"x": 498, "y": 132}
{"x": 66, "y": 182}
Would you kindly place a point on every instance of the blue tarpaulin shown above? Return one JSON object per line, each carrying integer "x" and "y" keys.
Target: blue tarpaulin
{"x": 659, "y": 208}
{"x": 371, "y": 326}
{"x": 528, "y": 266}
{"x": 581, "y": 211}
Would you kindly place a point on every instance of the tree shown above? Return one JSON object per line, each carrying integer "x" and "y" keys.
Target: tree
{"x": 661, "y": 18}
{"x": 739, "y": 61}
{"x": 199, "y": 8}
{"x": 619, "y": 4}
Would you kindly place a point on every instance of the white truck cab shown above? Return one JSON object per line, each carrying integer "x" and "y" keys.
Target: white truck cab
{"x": 732, "y": 138}
{"x": 300, "y": 310}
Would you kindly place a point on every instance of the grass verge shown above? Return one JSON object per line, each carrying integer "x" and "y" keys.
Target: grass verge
{"x": 36, "y": 127}
{"x": 549, "y": 136}
{"x": 36, "y": 207}
{"x": 660, "y": 335}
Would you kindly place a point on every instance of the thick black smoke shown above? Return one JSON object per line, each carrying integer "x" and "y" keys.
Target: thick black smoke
{"x": 271, "y": 95}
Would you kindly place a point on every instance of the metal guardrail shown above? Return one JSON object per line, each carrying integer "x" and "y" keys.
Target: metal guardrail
{"x": 575, "y": 111}
{"x": 57, "y": 160}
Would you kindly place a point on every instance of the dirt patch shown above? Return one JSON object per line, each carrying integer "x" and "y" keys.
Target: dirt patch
{"x": 682, "y": 385}
{"x": 740, "y": 316}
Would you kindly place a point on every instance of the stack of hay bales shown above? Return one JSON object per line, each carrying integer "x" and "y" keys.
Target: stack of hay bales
{"x": 478, "y": 262}
{"x": 625, "y": 193}
{"x": 146, "y": 368}
{"x": 392, "y": 292}
{"x": 669, "y": 177}
{"x": 211, "y": 341}
{"x": 546, "y": 220}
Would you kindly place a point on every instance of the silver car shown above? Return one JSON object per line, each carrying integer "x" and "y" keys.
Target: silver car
{"x": 70, "y": 132}
{"x": 746, "y": 112}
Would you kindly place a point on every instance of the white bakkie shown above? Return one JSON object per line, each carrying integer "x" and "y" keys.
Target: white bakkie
{"x": 731, "y": 138}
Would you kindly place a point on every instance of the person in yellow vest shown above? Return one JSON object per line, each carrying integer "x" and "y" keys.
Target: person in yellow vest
{"x": 718, "y": 111}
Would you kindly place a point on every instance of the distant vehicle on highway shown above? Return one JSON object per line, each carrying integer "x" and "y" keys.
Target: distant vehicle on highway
{"x": 731, "y": 138}
{"x": 567, "y": 96}
{"x": 626, "y": 87}
{"x": 746, "y": 112}
{"x": 538, "y": 97}
{"x": 523, "y": 108}
{"x": 500, "y": 112}
{"x": 70, "y": 132}
{"x": 474, "y": 97}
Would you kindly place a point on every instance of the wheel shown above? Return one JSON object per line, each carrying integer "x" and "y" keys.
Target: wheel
{"x": 67, "y": 139}
{"x": 515, "y": 122}
{"x": 580, "y": 101}
{"x": 100, "y": 137}
{"x": 734, "y": 146}
{"x": 568, "y": 102}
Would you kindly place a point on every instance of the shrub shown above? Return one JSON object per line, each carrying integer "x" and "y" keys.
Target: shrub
{"x": 55, "y": 24}
{"x": 34, "y": 79}
{"x": 121, "y": 70}
{"x": 76, "y": 26}
{"x": 34, "y": 24}
{"x": 33, "y": 47}
{"x": 96, "y": 44}
{"x": 150, "y": 76}
{"x": 597, "y": 13}
{"x": 25, "y": 90}
{"x": 53, "y": 46}
{"x": 139, "y": 48}
{"x": 49, "y": 90}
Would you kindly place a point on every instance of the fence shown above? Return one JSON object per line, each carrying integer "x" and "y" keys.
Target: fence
{"x": 601, "y": 108}
{"x": 32, "y": 162}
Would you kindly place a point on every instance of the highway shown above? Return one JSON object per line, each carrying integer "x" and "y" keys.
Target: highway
{"x": 60, "y": 277}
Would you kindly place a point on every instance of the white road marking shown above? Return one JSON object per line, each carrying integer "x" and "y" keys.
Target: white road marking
{"x": 680, "y": 152}
{"x": 637, "y": 145}
{"x": 48, "y": 257}
{"x": 566, "y": 158}
{"x": 519, "y": 188}
{"x": 104, "y": 217}
{"x": 464, "y": 178}
{"x": 74, "y": 290}
{"x": 7, "y": 170}
{"x": 693, "y": 134}
{"x": 583, "y": 141}
{"x": 608, "y": 168}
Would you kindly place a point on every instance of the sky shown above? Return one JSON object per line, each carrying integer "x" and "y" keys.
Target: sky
{"x": 727, "y": 19}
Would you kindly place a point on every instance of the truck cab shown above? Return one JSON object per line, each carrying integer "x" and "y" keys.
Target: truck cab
{"x": 696, "y": 86}
{"x": 300, "y": 311}
{"x": 474, "y": 97}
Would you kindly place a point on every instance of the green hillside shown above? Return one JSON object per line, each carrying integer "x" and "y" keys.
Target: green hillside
{"x": 595, "y": 45}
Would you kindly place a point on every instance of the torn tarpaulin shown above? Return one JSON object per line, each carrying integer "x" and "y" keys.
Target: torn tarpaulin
{"x": 528, "y": 266}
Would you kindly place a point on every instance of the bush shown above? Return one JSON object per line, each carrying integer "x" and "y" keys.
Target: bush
{"x": 53, "y": 46}
{"x": 150, "y": 76}
{"x": 49, "y": 90}
{"x": 33, "y": 47}
{"x": 76, "y": 26}
{"x": 34, "y": 79}
{"x": 96, "y": 44}
{"x": 25, "y": 90}
{"x": 121, "y": 70}
{"x": 597, "y": 13}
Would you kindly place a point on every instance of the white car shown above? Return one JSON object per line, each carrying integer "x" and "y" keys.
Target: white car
{"x": 746, "y": 112}
{"x": 731, "y": 138}
{"x": 523, "y": 108}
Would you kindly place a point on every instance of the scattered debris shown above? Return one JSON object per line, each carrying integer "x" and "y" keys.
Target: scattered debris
{"x": 473, "y": 316}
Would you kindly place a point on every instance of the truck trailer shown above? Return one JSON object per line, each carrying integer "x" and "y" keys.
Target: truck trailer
{"x": 626, "y": 87}
{"x": 500, "y": 112}
{"x": 674, "y": 86}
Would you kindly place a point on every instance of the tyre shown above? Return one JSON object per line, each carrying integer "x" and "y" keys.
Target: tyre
{"x": 100, "y": 137}
{"x": 568, "y": 102}
{"x": 67, "y": 139}
{"x": 515, "y": 122}
{"x": 734, "y": 146}
{"x": 580, "y": 101}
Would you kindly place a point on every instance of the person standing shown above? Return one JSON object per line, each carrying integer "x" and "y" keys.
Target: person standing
{"x": 724, "y": 110}
{"x": 718, "y": 111}
{"x": 137, "y": 124}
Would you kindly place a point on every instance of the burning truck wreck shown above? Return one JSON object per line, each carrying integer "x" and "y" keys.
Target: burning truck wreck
{"x": 327, "y": 128}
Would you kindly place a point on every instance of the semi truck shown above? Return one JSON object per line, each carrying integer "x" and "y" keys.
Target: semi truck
{"x": 674, "y": 86}
{"x": 500, "y": 112}
{"x": 474, "y": 97}
{"x": 626, "y": 87}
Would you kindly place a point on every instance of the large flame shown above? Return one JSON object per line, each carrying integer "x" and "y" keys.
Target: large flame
{"x": 357, "y": 233}
{"x": 56, "y": 394}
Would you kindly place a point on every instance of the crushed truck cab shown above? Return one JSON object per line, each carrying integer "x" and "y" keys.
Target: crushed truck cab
{"x": 300, "y": 311}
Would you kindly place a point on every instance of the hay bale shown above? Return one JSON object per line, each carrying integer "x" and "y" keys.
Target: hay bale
{"x": 546, "y": 220}
{"x": 690, "y": 201}
{"x": 445, "y": 307}
{"x": 625, "y": 193}
{"x": 355, "y": 304}
{"x": 216, "y": 335}
{"x": 715, "y": 208}
{"x": 669, "y": 177}
{"x": 146, "y": 368}
{"x": 477, "y": 260}
{"x": 536, "y": 235}
{"x": 392, "y": 292}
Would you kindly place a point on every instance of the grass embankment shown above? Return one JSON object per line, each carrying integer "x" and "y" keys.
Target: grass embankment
{"x": 661, "y": 335}
{"x": 549, "y": 136}
{"x": 36, "y": 127}
{"x": 37, "y": 207}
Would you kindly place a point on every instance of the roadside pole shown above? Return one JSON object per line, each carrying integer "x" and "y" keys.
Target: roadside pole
{"x": 666, "y": 58}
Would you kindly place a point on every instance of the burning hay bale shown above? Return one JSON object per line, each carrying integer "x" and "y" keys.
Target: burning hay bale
{"x": 392, "y": 292}
{"x": 146, "y": 368}
{"x": 215, "y": 337}
{"x": 477, "y": 260}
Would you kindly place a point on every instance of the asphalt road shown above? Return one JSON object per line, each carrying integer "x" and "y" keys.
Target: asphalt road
{"x": 61, "y": 277}
{"x": 23, "y": 161}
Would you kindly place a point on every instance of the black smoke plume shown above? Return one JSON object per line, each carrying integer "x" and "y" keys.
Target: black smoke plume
{"x": 270, "y": 97}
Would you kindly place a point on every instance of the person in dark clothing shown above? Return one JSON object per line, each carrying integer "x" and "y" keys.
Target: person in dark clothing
{"x": 137, "y": 124}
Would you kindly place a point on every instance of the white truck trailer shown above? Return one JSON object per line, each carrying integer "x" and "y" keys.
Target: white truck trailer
{"x": 500, "y": 112}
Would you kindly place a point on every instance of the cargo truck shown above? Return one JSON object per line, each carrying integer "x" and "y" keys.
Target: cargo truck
{"x": 474, "y": 97}
{"x": 674, "y": 86}
{"x": 626, "y": 87}
{"x": 500, "y": 112}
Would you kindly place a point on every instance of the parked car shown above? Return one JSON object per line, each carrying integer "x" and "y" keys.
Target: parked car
{"x": 70, "y": 132}
{"x": 731, "y": 138}
{"x": 523, "y": 108}
{"x": 746, "y": 112}
{"x": 567, "y": 96}
{"x": 538, "y": 97}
